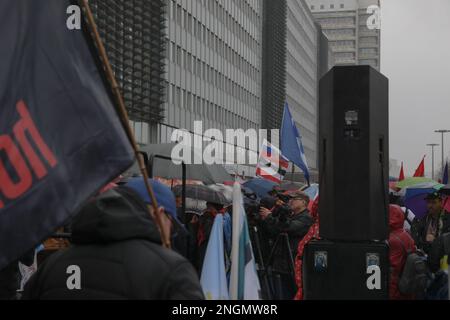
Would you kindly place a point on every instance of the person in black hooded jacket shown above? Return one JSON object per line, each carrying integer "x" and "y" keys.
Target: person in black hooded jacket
{"x": 117, "y": 247}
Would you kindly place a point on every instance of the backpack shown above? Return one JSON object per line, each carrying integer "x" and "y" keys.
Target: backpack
{"x": 413, "y": 279}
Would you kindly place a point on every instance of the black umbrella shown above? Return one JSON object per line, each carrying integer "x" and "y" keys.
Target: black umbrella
{"x": 289, "y": 186}
{"x": 201, "y": 192}
{"x": 208, "y": 174}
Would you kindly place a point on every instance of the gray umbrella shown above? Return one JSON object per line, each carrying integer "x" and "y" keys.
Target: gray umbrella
{"x": 200, "y": 192}
{"x": 208, "y": 174}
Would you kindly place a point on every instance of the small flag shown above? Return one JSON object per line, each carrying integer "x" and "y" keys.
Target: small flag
{"x": 401, "y": 177}
{"x": 271, "y": 165}
{"x": 445, "y": 176}
{"x": 420, "y": 171}
{"x": 214, "y": 279}
{"x": 291, "y": 143}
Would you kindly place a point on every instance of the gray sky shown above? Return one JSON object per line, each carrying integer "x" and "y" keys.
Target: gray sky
{"x": 415, "y": 56}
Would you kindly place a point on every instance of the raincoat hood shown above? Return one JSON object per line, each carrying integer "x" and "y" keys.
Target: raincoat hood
{"x": 396, "y": 217}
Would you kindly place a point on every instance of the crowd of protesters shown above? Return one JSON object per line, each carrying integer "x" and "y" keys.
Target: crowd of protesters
{"x": 117, "y": 245}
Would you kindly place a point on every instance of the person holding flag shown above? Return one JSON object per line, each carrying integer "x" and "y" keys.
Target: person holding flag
{"x": 117, "y": 253}
{"x": 62, "y": 136}
{"x": 59, "y": 129}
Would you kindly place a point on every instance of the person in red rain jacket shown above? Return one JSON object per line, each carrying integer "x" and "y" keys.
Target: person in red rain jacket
{"x": 313, "y": 234}
{"x": 400, "y": 244}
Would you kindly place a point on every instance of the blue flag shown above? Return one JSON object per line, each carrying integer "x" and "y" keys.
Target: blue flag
{"x": 445, "y": 177}
{"x": 291, "y": 143}
{"x": 60, "y": 137}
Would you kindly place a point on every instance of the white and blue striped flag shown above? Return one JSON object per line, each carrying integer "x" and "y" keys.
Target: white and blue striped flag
{"x": 244, "y": 282}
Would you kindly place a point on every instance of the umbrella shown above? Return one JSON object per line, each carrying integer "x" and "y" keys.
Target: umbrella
{"x": 413, "y": 182}
{"x": 291, "y": 186}
{"x": 261, "y": 187}
{"x": 445, "y": 190}
{"x": 312, "y": 191}
{"x": 209, "y": 174}
{"x": 226, "y": 191}
{"x": 201, "y": 192}
{"x": 415, "y": 200}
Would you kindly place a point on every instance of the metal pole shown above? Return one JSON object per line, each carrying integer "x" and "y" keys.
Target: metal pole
{"x": 432, "y": 162}
{"x": 442, "y": 163}
{"x": 432, "y": 145}
{"x": 442, "y": 132}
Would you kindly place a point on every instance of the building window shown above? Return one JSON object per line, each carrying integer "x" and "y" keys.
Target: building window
{"x": 313, "y": 7}
{"x": 322, "y": 7}
{"x": 342, "y": 6}
{"x": 331, "y": 6}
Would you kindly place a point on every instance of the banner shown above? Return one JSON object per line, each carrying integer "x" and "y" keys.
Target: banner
{"x": 60, "y": 137}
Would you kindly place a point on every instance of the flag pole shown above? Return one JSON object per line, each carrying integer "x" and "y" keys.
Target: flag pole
{"x": 236, "y": 222}
{"x": 293, "y": 171}
{"x": 123, "y": 115}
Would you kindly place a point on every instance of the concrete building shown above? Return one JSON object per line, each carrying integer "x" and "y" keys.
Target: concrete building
{"x": 307, "y": 57}
{"x": 229, "y": 63}
{"x": 134, "y": 37}
{"x": 213, "y": 65}
{"x": 345, "y": 22}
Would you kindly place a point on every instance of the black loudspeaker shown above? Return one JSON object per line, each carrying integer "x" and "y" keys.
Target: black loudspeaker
{"x": 354, "y": 159}
{"x": 340, "y": 271}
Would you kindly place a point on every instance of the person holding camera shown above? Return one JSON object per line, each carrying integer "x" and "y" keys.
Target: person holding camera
{"x": 292, "y": 217}
{"x": 289, "y": 216}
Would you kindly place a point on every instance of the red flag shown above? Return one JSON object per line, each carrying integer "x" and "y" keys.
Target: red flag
{"x": 401, "y": 177}
{"x": 420, "y": 172}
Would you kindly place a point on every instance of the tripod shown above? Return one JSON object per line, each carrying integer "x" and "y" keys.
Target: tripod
{"x": 262, "y": 271}
{"x": 283, "y": 248}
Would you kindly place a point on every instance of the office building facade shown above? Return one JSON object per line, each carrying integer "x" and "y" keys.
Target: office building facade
{"x": 297, "y": 67}
{"x": 353, "y": 32}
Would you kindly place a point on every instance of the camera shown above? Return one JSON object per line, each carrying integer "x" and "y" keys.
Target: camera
{"x": 282, "y": 212}
{"x": 252, "y": 207}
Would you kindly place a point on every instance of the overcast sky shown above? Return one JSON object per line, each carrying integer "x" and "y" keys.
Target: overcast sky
{"x": 415, "y": 56}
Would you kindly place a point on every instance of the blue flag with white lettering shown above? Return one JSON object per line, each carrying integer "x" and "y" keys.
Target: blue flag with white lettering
{"x": 60, "y": 137}
{"x": 291, "y": 143}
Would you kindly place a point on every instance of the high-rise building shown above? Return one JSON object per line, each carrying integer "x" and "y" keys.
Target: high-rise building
{"x": 213, "y": 64}
{"x": 295, "y": 56}
{"x": 228, "y": 63}
{"x": 354, "y": 41}
{"x": 134, "y": 37}
{"x": 202, "y": 56}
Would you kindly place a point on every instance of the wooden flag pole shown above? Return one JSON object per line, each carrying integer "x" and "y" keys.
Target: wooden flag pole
{"x": 123, "y": 115}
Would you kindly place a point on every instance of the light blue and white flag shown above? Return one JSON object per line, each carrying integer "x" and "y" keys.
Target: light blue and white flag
{"x": 244, "y": 282}
{"x": 214, "y": 279}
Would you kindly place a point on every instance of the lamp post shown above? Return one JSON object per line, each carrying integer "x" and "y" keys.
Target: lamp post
{"x": 442, "y": 132}
{"x": 432, "y": 145}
